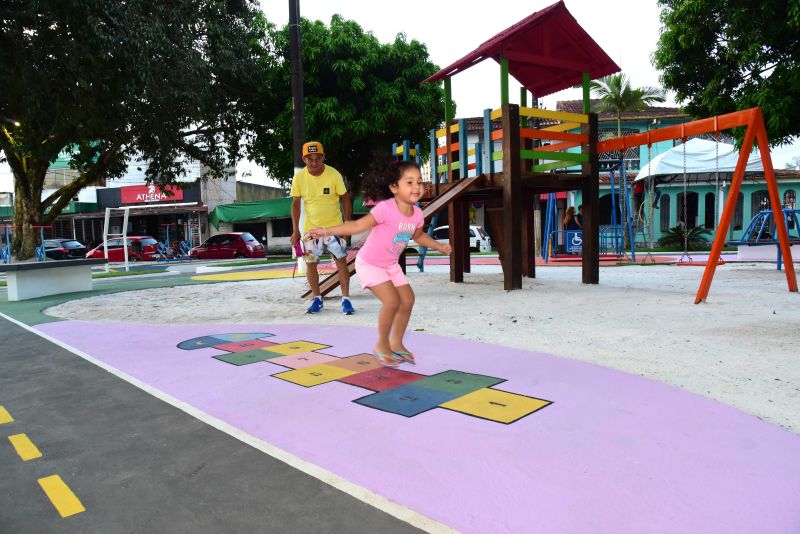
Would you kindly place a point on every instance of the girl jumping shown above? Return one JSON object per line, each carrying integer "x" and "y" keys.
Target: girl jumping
{"x": 395, "y": 220}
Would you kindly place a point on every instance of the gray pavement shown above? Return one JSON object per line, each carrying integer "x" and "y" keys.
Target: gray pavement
{"x": 140, "y": 465}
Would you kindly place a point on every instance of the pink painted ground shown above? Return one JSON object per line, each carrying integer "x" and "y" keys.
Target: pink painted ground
{"x": 615, "y": 452}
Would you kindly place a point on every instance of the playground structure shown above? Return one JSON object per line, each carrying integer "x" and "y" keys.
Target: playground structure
{"x": 5, "y": 249}
{"x": 758, "y": 238}
{"x": 526, "y": 151}
{"x": 176, "y": 249}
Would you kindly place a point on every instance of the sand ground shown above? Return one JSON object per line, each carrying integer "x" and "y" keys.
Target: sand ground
{"x": 741, "y": 347}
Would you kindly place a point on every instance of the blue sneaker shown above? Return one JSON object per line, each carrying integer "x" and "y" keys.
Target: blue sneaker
{"x": 347, "y": 307}
{"x": 316, "y": 305}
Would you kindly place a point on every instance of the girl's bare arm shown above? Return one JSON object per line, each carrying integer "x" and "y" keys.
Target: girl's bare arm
{"x": 349, "y": 228}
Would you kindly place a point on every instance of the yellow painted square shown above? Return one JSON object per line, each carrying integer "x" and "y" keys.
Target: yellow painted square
{"x": 314, "y": 375}
{"x": 295, "y": 347}
{"x": 496, "y": 405}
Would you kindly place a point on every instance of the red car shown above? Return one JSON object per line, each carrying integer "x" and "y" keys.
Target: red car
{"x": 140, "y": 248}
{"x": 230, "y": 245}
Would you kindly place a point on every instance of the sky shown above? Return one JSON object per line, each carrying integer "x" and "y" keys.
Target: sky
{"x": 626, "y": 29}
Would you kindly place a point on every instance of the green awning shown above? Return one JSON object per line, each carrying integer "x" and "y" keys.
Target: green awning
{"x": 274, "y": 208}
{"x": 72, "y": 207}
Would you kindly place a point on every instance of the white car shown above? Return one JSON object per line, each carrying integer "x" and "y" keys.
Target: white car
{"x": 478, "y": 239}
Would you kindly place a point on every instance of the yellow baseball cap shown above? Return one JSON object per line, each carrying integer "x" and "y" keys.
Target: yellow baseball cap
{"x": 313, "y": 147}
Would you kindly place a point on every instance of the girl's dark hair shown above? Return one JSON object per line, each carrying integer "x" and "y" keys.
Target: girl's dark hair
{"x": 385, "y": 173}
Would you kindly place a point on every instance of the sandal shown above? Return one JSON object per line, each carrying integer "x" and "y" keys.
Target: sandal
{"x": 405, "y": 356}
{"x": 388, "y": 360}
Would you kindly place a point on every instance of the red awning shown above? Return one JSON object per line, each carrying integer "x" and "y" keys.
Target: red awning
{"x": 560, "y": 195}
{"x": 548, "y": 51}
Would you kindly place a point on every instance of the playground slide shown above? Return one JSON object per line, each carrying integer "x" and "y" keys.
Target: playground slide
{"x": 331, "y": 282}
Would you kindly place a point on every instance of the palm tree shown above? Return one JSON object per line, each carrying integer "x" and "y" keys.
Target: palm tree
{"x": 617, "y": 96}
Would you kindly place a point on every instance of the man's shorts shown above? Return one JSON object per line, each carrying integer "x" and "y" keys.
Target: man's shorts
{"x": 336, "y": 246}
{"x": 371, "y": 275}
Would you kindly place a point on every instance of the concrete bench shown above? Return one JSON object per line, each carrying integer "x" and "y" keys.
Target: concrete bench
{"x": 41, "y": 278}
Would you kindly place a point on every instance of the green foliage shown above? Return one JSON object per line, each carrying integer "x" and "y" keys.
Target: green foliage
{"x": 107, "y": 81}
{"x": 617, "y": 96}
{"x": 721, "y": 56}
{"x": 360, "y": 97}
{"x": 697, "y": 238}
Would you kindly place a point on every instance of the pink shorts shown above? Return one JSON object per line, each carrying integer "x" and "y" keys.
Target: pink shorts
{"x": 370, "y": 275}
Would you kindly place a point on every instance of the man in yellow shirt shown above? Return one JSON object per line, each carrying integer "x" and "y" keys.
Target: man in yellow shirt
{"x": 321, "y": 190}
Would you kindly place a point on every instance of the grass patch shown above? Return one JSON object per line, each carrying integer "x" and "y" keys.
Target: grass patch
{"x": 280, "y": 259}
{"x": 114, "y": 274}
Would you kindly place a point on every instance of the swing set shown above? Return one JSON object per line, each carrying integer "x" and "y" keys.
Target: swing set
{"x": 755, "y": 133}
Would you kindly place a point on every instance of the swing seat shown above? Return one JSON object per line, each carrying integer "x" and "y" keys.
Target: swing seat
{"x": 702, "y": 263}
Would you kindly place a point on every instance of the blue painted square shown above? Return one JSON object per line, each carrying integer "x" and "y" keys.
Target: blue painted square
{"x": 243, "y": 337}
{"x": 408, "y": 400}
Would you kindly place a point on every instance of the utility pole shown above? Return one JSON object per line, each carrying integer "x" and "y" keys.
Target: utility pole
{"x": 295, "y": 49}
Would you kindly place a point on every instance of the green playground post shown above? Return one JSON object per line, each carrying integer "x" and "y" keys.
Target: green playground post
{"x": 587, "y": 101}
{"x": 503, "y": 81}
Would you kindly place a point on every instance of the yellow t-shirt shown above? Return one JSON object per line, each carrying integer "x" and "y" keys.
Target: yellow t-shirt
{"x": 320, "y": 196}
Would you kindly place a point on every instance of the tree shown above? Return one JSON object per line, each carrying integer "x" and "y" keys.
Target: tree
{"x": 720, "y": 56}
{"x": 618, "y": 97}
{"x": 360, "y": 97}
{"x": 105, "y": 82}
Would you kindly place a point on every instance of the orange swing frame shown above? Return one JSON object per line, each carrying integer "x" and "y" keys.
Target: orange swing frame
{"x": 756, "y": 133}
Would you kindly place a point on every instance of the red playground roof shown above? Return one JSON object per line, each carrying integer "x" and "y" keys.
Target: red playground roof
{"x": 548, "y": 51}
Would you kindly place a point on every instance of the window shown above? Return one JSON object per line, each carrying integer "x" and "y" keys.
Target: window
{"x": 148, "y": 241}
{"x": 115, "y": 243}
{"x": 690, "y": 209}
{"x": 441, "y": 233}
{"x": 215, "y": 240}
{"x": 759, "y": 201}
{"x": 738, "y": 213}
{"x": 789, "y": 199}
{"x": 248, "y": 237}
{"x": 472, "y": 233}
{"x": 664, "y": 207}
{"x": 281, "y": 227}
{"x": 710, "y": 213}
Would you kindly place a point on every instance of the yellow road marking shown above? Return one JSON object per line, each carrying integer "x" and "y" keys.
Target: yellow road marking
{"x": 5, "y": 417}
{"x": 258, "y": 275}
{"x": 61, "y": 496}
{"x": 24, "y": 447}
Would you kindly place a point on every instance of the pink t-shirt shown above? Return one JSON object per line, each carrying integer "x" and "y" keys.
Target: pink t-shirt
{"x": 389, "y": 237}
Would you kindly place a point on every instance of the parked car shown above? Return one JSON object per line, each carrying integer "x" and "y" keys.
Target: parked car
{"x": 229, "y": 245}
{"x": 479, "y": 240}
{"x": 140, "y": 248}
{"x": 64, "y": 249}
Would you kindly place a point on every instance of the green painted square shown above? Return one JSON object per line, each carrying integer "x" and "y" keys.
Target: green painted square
{"x": 245, "y": 358}
{"x": 458, "y": 382}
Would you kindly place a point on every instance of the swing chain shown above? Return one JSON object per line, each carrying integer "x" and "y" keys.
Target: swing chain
{"x": 716, "y": 175}
{"x": 685, "y": 210}
{"x": 648, "y": 227}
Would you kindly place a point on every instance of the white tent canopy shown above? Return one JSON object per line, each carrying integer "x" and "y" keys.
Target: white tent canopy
{"x": 701, "y": 157}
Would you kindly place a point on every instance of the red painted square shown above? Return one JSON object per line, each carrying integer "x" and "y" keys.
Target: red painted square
{"x": 241, "y": 346}
{"x": 381, "y": 379}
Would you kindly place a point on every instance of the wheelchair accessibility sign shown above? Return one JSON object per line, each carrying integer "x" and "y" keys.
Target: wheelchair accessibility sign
{"x": 573, "y": 241}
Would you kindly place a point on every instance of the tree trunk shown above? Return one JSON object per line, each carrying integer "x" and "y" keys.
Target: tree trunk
{"x": 27, "y": 214}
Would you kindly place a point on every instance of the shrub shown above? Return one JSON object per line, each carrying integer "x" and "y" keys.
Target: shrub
{"x": 697, "y": 238}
